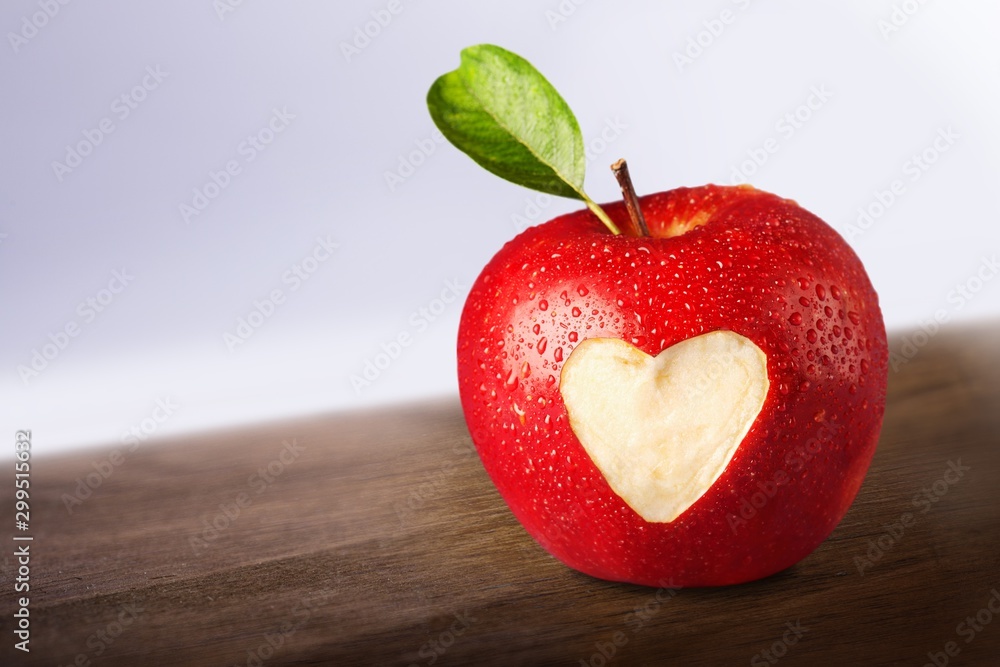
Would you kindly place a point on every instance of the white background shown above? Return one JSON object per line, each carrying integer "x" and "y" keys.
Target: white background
{"x": 355, "y": 117}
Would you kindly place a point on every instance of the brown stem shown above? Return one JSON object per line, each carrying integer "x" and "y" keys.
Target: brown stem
{"x": 620, "y": 168}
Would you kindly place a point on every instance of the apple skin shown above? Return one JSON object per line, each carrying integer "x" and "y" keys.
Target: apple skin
{"x": 758, "y": 265}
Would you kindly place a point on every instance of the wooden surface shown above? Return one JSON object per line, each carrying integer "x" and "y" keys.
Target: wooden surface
{"x": 384, "y": 534}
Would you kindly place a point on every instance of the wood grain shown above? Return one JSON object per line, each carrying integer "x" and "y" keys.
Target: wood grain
{"x": 382, "y": 534}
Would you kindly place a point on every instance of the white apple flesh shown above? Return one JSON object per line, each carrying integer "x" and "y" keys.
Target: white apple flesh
{"x": 663, "y": 429}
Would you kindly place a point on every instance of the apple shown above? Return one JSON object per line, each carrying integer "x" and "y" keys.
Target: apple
{"x": 697, "y": 406}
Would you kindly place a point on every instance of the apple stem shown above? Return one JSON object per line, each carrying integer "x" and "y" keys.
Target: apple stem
{"x": 620, "y": 168}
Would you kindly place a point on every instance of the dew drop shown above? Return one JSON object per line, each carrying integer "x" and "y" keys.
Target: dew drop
{"x": 804, "y": 300}
{"x": 543, "y": 305}
{"x": 542, "y": 344}
{"x": 558, "y": 355}
{"x": 576, "y": 312}
{"x": 836, "y": 331}
{"x": 795, "y": 318}
{"x": 821, "y": 324}
{"x": 819, "y": 416}
{"x": 853, "y": 317}
{"x": 828, "y": 311}
{"x": 848, "y": 333}
{"x": 573, "y": 336}
{"x": 511, "y": 382}
{"x": 582, "y": 291}
{"x": 811, "y": 336}
{"x": 525, "y": 370}
{"x": 864, "y": 366}
{"x": 853, "y": 389}
{"x": 820, "y": 292}
{"x": 537, "y": 329}
{"x": 835, "y": 292}
{"x": 804, "y": 385}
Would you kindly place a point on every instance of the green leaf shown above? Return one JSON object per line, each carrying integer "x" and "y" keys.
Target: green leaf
{"x": 506, "y": 116}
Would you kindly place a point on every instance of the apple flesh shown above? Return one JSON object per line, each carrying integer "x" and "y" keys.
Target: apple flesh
{"x": 697, "y": 407}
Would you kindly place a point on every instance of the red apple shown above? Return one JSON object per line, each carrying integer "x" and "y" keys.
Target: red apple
{"x": 695, "y": 407}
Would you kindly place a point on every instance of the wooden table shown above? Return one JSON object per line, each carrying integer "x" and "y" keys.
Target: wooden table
{"x": 377, "y": 538}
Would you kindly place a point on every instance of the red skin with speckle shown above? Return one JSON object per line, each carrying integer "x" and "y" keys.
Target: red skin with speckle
{"x": 760, "y": 266}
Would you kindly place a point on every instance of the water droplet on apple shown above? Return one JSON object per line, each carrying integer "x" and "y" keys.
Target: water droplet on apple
{"x": 835, "y": 292}
{"x": 542, "y": 344}
{"x": 558, "y": 354}
{"x": 836, "y": 331}
{"x": 795, "y": 318}
{"x": 804, "y": 283}
{"x": 543, "y": 305}
{"x": 804, "y": 385}
{"x": 551, "y": 380}
{"x": 828, "y": 311}
{"x": 804, "y": 300}
{"x": 577, "y": 312}
{"x": 573, "y": 336}
{"x": 811, "y": 335}
{"x": 525, "y": 370}
{"x": 848, "y": 333}
{"x": 864, "y": 366}
{"x": 819, "y": 416}
{"x": 582, "y": 291}
{"x": 853, "y": 389}
{"x": 854, "y": 317}
{"x": 820, "y": 292}
{"x": 536, "y": 329}
{"x": 821, "y": 324}
{"x": 511, "y": 381}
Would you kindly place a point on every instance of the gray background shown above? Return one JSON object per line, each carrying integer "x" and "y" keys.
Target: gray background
{"x": 324, "y": 175}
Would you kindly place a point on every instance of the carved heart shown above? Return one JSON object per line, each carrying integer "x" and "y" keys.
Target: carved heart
{"x": 663, "y": 429}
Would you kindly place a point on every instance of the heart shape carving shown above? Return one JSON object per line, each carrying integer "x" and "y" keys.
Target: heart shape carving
{"x": 663, "y": 429}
